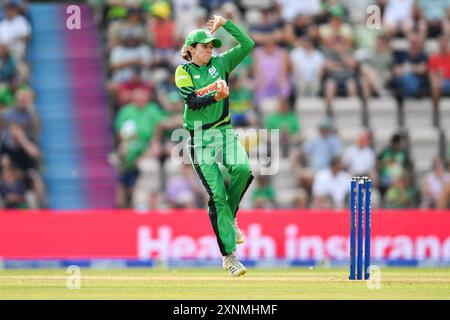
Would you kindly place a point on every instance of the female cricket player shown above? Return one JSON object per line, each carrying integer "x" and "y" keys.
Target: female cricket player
{"x": 202, "y": 83}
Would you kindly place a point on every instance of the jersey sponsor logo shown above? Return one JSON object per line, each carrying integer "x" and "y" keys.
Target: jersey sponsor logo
{"x": 197, "y": 76}
{"x": 205, "y": 90}
{"x": 181, "y": 77}
{"x": 213, "y": 72}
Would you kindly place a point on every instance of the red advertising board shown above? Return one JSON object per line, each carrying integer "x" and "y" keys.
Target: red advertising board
{"x": 292, "y": 234}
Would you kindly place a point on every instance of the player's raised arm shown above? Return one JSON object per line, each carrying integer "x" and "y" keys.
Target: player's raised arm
{"x": 235, "y": 55}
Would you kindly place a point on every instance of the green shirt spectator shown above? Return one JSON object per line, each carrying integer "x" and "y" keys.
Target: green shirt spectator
{"x": 401, "y": 194}
{"x": 135, "y": 125}
{"x": 284, "y": 121}
{"x": 263, "y": 195}
{"x": 241, "y": 103}
{"x": 392, "y": 161}
{"x": 287, "y": 122}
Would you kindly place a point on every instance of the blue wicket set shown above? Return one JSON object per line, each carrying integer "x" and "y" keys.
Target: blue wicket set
{"x": 360, "y": 203}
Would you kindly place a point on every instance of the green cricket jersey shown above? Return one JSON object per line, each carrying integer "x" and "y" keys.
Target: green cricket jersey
{"x": 197, "y": 83}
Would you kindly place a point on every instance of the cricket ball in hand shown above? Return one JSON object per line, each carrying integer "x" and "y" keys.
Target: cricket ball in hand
{"x": 219, "y": 85}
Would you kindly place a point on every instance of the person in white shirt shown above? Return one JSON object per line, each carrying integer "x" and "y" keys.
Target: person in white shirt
{"x": 398, "y": 16}
{"x": 15, "y": 31}
{"x": 307, "y": 65}
{"x": 434, "y": 183}
{"x": 291, "y": 8}
{"x": 331, "y": 186}
{"x": 131, "y": 52}
{"x": 186, "y": 12}
{"x": 359, "y": 159}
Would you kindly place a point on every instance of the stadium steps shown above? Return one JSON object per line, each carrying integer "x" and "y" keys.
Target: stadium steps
{"x": 445, "y": 114}
{"x": 382, "y": 120}
{"x": 418, "y": 113}
{"x": 71, "y": 100}
{"x": 310, "y": 112}
{"x": 424, "y": 146}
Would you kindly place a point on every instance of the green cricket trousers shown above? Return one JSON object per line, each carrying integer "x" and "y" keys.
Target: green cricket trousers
{"x": 207, "y": 148}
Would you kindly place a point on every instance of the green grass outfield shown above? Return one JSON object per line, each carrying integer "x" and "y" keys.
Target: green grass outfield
{"x": 204, "y": 284}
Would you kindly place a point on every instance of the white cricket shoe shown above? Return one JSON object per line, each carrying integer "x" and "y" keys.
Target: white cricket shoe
{"x": 240, "y": 238}
{"x": 232, "y": 264}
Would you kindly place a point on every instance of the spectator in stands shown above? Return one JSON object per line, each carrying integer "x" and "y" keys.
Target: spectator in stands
{"x": 376, "y": 69}
{"x": 290, "y": 9}
{"x": 15, "y": 31}
{"x": 241, "y": 102}
{"x": 24, "y": 114}
{"x": 435, "y": 13}
{"x": 300, "y": 200}
{"x": 169, "y": 98}
{"x": 444, "y": 198}
{"x": 434, "y": 183}
{"x": 439, "y": 69}
{"x": 392, "y": 162}
{"x": 131, "y": 52}
{"x": 356, "y": 10}
{"x": 341, "y": 73}
{"x": 186, "y": 13}
{"x": 266, "y": 29}
{"x": 271, "y": 71}
{"x": 307, "y": 64}
{"x": 336, "y": 31}
{"x": 201, "y": 18}
{"x": 401, "y": 194}
{"x": 8, "y": 79}
{"x": 365, "y": 38}
{"x": 184, "y": 190}
{"x": 122, "y": 91}
{"x": 318, "y": 153}
{"x": 162, "y": 28}
{"x": 8, "y": 72}
{"x": 114, "y": 10}
{"x": 410, "y": 71}
{"x": 324, "y": 148}
{"x": 286, "y": 121}
{"x": 359, "y": 159}
{"x": 134, "y": 125}
{"x": 263, "y": 196}
{"x": 22, "y": 152}
{"x": 134, "y": 23}
{"x": 12, "y": 186}
{"x": 330, "y": 188}
{"x": 334, "y": 7}
{"x": 419, "y": 23}
{"x": 302, "y": 26}
{"x": 398, "y": 17}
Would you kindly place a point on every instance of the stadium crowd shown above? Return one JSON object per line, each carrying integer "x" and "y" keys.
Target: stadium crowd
{"x": 21, "y": 183}
{"x": 304, "y": 48}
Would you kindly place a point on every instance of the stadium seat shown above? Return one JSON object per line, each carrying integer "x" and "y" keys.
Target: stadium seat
{"x": 424, "y": 146}
{"x": 445, "y": 114}
{"x": 310, "y": 111}
{"x": 349, "y": 135}
{"x": 285, "y": 198}
{"x": 418, "y": 113}
{"x": 284, "y": 180}
{"x": 382, "y": 114}
{"x": 347, "y": 112}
